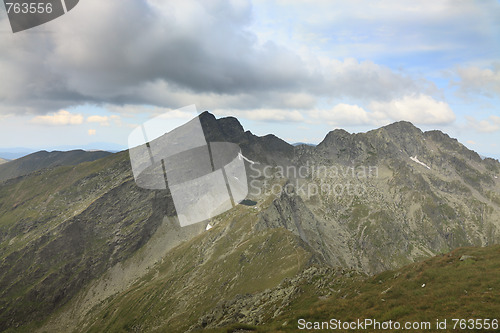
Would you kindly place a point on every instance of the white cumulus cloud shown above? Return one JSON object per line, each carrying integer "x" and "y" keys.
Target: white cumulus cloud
{"x": 418, "y": 109}
{"x": 105, "y": 120}
{"x": 484, "y": 81}
{"x": 60, "y": 118}
{"x": 346, "y": 115}
{"x": 489, "y": 125}
{"x": 102, "y": 120}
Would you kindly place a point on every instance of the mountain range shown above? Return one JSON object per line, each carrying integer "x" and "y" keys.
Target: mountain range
{"x": 18, "y": 152}
{"x": 84, "y": 249}
{"x": 43, "y": 160}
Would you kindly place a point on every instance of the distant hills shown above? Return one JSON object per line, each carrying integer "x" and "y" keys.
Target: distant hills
{"x": 302, "y": 143}
{"x": 43, "y": 159}
{"x": 376, "y": 230}
{"x": 13, "y": 153}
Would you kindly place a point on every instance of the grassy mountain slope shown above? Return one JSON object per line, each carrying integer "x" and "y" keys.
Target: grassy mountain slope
{"x": 43, "y": 159}
{"x": 462, "y": 284}
{"x": 62, "y": 227}
{"x": 230, "y": 259}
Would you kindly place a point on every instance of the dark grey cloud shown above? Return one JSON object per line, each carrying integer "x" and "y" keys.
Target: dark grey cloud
{"x": 169, "y": 53}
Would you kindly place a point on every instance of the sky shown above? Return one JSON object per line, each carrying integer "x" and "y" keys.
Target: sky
{"x": 297, "y": 69}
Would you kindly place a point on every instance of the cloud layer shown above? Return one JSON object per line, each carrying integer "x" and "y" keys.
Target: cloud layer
{"x": 346, "y": 63}
{"x": 419, "y": 109}
{"x": 60, "y": 118}
{"x": 482, "y": 81}
{"x": 489, "y": 125}
{"x": 170, "y": 54}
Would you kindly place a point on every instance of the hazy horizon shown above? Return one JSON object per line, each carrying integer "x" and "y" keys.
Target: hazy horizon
{"x": 113, "y": 147}
{"x": 296, "y": 69}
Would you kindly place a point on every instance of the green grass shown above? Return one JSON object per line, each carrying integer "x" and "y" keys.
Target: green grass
{"x": 196, "y": 275}
{"x": 453, "y": 289}
{"x": 34, "y": 204}
{"x": 37, "y": 252}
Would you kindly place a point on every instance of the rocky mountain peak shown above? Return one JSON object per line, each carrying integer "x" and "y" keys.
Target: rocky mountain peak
{"x": 335, "y": 137}
{"x": 269, "y": 148}
{"x": 384, "y": 142}
{"x": 223, "y": 129}
{"x": 438, "y": 136}
{"x": 401, "y": 127}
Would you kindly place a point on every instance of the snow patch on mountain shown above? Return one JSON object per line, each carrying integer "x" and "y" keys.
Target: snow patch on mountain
{"x": 415, "y": 159}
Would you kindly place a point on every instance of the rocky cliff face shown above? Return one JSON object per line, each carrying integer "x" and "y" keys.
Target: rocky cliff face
{"x": 268, "y": 149}
{"x": 375, "y": 201}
